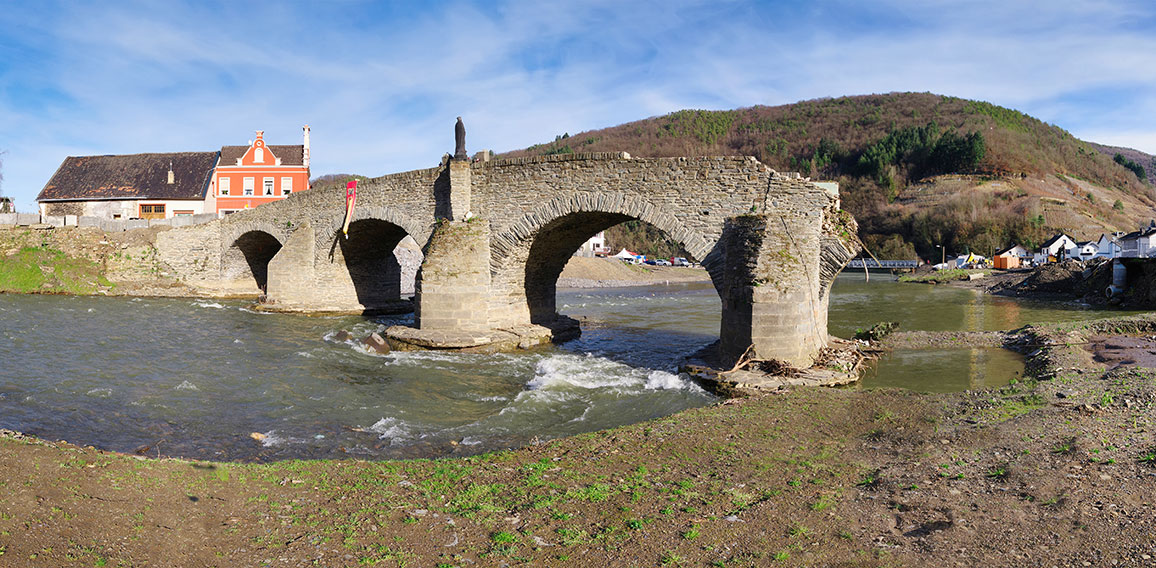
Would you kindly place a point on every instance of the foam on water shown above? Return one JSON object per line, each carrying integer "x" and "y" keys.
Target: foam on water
{"x": 393, "y": 429}
{"x": 209, "y": 305}
{"x": 186, "y": 385}
{"x": 270, "y": 439}
{"x": 583, "y": 372}
{"x": 661, "y": 380}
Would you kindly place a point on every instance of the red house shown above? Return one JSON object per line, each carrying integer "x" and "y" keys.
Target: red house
{"x": 247, "y": 176}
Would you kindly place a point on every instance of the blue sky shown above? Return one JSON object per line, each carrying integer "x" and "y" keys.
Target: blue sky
{"x": 381, "y": 83}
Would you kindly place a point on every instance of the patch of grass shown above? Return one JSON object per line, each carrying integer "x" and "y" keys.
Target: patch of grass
{"x": 1148, "y": 458}
{"x": 998, "y": 473}
{"x": 870, "y": 480}
{"x": 1066, "y": 447}
{"x": 572, "y": 537}
{"x": 798, "y": 530}
{"x": 825, "y": 502}
{"x": 941, "y": 276}
{"x": 44, "y": 269}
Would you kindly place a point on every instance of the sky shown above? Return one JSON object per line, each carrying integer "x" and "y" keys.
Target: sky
{"x": 381, "y": 83}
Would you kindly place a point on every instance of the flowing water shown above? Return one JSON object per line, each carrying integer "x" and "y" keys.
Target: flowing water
{"x": 199, "y": 379}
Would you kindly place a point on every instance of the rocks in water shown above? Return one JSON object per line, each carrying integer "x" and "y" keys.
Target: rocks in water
{"x": 376, "y": 344}
{"x": 342, "y": 335}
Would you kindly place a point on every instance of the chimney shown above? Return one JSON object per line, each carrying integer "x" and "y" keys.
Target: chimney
{"x": 305, "y": 153}
{"x": 170, "y": 172}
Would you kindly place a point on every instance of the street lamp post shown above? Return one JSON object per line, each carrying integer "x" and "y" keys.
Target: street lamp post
{"x": 942, "y": 254}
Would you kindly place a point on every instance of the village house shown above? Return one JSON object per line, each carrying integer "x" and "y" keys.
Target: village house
{"x": 1012, "y": 257}
{"x": 1107, "y": 246}
{"x": 594, "y": 246}
{"x": 166, "y": 185}
{"x": 1139, "y": 244}
{"x": 1059, "y": 247}
{"x": 1086, "y": 250}
{"x": 145, "y": 186}
{"x": 257, "y": 173}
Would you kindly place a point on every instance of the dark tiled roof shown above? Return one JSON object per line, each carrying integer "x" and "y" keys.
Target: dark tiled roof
{"x": 1006, "y": 250}
{"x": 1137, "y": 234}
{"x": 135, "y": 176}
{"x": 290, "y": 155}
{"x": 1053, "y": 240}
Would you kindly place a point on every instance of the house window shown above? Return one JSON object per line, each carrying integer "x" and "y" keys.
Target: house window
{"x": 182, "y": 213}
{"x": 223, "y": 184}
{"x": 248, "y": 183}
{"x": 259, "y": 155}
{"x": 152, "y": 211}
{"x": 268, "y": 183}
{"x": 286, "y": 185}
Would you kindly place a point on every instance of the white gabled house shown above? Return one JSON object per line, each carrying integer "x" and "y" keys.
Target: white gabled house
{"x": 1059, "y": 247}
{"x": 1107, "y": 247}
{"x": 1086, "y": 250}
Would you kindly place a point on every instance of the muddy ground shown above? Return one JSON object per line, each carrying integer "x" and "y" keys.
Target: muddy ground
{"x": 1055, "y": 472}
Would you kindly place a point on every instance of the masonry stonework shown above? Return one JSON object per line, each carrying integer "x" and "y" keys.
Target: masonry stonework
{"x": 770, "y": 241}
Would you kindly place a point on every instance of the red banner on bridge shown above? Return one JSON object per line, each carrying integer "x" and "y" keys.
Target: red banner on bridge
{"x": 350, "y": 201}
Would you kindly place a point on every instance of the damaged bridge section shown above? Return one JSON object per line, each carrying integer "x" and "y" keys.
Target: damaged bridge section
{"x": 495, "y": 235}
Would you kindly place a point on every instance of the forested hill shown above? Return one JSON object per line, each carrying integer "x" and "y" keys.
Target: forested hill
{"x": 916, "y": 169}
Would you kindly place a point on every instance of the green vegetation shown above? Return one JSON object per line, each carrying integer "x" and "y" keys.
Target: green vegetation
{"x": 643, "y": 238}
{"x": 919, "y": 151}
{"x": 1136, "y": 168}
{"x": 706, "y": 126}
{"x": 941, "y": 276}
{"x": 44, "y": 269}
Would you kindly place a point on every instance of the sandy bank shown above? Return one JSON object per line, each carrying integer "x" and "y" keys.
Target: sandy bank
{"x": 583, "y": 272}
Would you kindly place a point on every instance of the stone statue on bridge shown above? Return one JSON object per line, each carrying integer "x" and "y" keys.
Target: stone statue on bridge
{"x": 460, "y": 141}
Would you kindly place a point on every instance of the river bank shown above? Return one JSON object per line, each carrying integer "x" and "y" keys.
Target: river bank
{"x": 1055, "y": 471}
{"x": 584, "y": 272}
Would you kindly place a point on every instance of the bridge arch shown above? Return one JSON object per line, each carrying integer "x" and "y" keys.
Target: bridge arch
{"x": 527, "y": 258}
{"x": 247, "y": 256}
{"x": 366, "y": 266}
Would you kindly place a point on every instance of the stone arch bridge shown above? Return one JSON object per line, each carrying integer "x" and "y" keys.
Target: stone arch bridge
{"x": 496, "y": 235}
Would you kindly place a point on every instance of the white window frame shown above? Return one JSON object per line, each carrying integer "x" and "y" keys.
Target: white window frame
{"x": 223, "y": 185}
{"x": 267, "y": 186}
{"x": 286, "y": 185}
{"x": 248, "y": 183}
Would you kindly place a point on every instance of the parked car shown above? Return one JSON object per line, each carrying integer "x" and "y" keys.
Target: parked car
{"x": 662, "y": 262}
{"x": 650, "y": 262}
{"x": 679, "y": 261}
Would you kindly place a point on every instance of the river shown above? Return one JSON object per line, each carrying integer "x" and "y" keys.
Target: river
{"x": 212, "y": 380}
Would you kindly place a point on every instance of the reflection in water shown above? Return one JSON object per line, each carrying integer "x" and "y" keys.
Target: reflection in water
{"x": 943, "y": 370}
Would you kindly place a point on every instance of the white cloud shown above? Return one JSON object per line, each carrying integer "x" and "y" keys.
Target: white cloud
{"x": 381, "y": 84}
